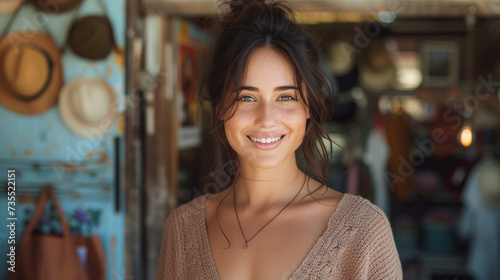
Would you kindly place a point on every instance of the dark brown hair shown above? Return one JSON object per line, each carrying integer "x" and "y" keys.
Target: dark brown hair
{"x": 247, "y": 26}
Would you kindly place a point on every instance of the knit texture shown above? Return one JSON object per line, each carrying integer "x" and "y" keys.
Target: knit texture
{"x": 357, "y": 244}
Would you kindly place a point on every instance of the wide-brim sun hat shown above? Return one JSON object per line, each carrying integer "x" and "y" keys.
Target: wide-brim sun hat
{"x": 31, "y": 72}
{"x": 88, "y": 106}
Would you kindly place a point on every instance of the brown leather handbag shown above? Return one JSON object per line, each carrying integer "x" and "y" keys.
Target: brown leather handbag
{"x": 55, "y": 257}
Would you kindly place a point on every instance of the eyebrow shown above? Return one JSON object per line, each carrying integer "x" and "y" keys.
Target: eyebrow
{"x": 280, "y": 88}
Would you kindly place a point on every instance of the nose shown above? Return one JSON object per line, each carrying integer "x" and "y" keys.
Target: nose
{"x": 266, "y": 115}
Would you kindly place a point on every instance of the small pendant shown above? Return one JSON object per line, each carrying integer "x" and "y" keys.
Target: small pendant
{"x": 246, "y": 245}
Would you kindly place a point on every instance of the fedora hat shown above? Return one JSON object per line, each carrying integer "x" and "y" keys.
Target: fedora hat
{"x": 88, "y": 106}
{"x": 31, "y": 73}
{"x": 377, "y": 73}
{"x": 9, "y": 6}
{"x": 55, "y": 6}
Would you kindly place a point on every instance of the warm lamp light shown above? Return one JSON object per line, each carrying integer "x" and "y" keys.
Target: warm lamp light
{"x": 466, "y": 136}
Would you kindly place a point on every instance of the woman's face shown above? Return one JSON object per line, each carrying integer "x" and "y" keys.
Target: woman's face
{"x": 270, "y": 121}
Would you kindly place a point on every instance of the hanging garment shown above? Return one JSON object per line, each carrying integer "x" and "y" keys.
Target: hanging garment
{"x": 376, "y": 156}
{"x": 481, "y": 224}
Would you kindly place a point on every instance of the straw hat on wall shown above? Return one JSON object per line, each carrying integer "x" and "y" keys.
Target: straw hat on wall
{"x": 31, "y": 73}
{"x": 88, "y": 106}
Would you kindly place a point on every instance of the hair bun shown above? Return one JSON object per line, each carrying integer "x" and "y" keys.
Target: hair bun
{"x": 238, "y": 5}
{"x": 241, "y": 11}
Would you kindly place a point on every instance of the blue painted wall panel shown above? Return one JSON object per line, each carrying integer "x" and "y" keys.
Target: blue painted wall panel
{"x": 43, "y": 150}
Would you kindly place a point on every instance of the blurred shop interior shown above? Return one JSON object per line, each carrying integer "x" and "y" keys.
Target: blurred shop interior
{"x": 115, "y": 128}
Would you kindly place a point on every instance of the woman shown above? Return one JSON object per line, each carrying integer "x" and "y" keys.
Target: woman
{"x": 269, "y": 96}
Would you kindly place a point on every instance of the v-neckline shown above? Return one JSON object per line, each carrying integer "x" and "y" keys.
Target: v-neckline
{"x": 318, "y": 244}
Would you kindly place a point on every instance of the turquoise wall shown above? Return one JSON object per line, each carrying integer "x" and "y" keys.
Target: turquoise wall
{"x": 43, "y": 150}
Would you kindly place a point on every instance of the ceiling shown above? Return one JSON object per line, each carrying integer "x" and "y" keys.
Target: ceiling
{"x": 344, "y": 10}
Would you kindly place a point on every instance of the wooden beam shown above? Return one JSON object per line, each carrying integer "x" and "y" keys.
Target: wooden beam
{"x": 133, "y": 175}
{"x": 402, "y": 8}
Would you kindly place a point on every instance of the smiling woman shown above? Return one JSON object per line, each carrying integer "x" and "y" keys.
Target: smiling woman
{"x": 269, "y": 124}
{"x": 270, "y": 98}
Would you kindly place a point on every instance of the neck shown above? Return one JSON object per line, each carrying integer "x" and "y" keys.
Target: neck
{"x": 268, "y": 188}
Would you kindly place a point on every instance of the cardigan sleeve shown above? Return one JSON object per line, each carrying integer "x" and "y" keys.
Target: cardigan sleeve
{"x": 172, "y": 258}
{"x": 378, "y": 259}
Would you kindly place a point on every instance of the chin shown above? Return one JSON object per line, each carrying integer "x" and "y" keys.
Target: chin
{"x": 265, "y": 162}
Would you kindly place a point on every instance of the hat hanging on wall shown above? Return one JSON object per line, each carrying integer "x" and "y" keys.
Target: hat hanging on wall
{"x": 342, "y": 63}
{"x": 31, "y": 72}
{"x": 377, "y": 72}
{"x": 55, "y": 6}
{"x": 91, "y": 37}
{"x": 88, "y": 106}
{"x": 9, "y": 6}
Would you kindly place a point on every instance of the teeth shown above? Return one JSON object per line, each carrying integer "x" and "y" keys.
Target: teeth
{"x": 265, "y": 140}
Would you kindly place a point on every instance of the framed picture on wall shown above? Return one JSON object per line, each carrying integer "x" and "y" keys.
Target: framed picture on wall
{"x": 440, "y": 63}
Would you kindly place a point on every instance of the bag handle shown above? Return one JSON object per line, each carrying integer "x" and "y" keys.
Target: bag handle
{"x": 40, "y": 207}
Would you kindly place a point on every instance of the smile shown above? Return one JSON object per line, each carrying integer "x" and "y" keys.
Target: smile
{"x": 266, "y": 143}
{"x": 265, "y": 140}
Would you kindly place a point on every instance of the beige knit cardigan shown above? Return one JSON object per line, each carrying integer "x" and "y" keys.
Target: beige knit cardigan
{"x": 357, "y": 244}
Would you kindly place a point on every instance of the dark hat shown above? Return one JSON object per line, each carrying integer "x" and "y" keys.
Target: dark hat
{"x": 91, "y": 37}
{"x": 55, "y": 6}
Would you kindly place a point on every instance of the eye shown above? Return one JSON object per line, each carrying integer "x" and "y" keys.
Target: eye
{"x": 246, "y": 98}
{"x": 287, "y": 98}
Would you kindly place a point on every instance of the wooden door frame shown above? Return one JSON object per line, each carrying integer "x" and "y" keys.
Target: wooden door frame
{"x": 151, "y": 160}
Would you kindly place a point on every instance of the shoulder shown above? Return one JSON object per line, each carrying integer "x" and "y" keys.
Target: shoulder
{"x": 362, "y": 209}
{"x": 365, "y": 216}
{"x": 187, "y": 214}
